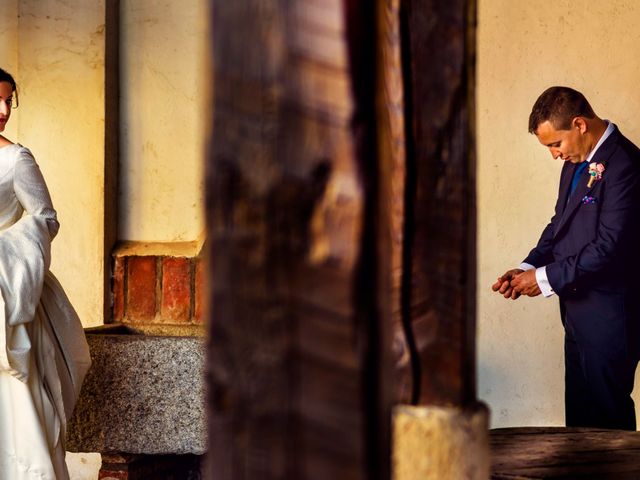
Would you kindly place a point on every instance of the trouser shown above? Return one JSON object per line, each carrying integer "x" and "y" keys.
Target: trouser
{"x": 598, "y": 387}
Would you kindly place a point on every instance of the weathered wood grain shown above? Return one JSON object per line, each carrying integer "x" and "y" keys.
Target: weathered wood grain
{"x": 564, "y": 453}
{"x": 297, "y": 231}
{"x": 391, "y": 135}
{"x": 440, "y": 268}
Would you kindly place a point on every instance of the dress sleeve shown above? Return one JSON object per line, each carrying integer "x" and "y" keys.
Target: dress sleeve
{"x": 31, "y": 191}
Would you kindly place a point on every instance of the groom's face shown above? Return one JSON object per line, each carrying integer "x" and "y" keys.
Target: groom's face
{"x": 568, "y": 145}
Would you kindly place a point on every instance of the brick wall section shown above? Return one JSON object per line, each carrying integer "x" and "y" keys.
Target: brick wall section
{"x": 124, "y": 466}
{"x": 158, "y": 289}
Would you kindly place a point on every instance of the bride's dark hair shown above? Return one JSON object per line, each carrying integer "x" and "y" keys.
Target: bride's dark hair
{"x": 6, "y": 77}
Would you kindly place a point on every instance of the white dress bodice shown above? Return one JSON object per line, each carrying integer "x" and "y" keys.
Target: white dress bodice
{"x": 43, "y": 352}
{"x": 22, "y": 188}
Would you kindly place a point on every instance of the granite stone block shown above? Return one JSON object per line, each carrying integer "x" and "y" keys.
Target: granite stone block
{"x": 144, "y": 393}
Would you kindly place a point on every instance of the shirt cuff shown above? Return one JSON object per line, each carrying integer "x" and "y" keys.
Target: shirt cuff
{"x": 543, "y": 282}
{"x": 541, "y": 278}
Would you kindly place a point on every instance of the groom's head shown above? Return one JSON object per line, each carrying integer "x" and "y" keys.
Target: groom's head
{"x": 559, "y": 106}
{"x": 565, "y": 123}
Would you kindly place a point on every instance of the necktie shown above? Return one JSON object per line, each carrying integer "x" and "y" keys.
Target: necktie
{"x": 576, "y": 176}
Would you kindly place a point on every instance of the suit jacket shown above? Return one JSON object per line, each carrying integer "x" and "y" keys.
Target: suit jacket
{"x": 591, "y": 249}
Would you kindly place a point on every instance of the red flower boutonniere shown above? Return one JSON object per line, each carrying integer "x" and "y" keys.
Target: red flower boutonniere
{"x": 595, "y": 173}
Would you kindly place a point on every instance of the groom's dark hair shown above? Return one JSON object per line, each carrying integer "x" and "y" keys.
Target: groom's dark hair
{"x": 559, "y": 105}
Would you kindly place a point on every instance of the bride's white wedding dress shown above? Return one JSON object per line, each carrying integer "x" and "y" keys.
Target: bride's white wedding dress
{"x": 43, "y": 351}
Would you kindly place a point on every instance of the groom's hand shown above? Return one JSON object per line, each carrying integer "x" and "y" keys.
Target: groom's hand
{"x": 503, "y": 284}
{"x": 525, "y": 283}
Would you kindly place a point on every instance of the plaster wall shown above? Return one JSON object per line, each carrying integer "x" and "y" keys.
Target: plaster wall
{"x": 163, "y": 109}
{"x": 55, "y": 48}
{"x": 523, "y": 48}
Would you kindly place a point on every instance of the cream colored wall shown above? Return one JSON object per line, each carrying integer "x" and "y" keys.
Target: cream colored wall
{"x": 55, "y": 49}
{"x": 523, "y": 48}
{"x": 163, "y": 108}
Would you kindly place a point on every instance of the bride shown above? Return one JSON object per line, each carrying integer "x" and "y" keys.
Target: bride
{"x": 43, "y": 352}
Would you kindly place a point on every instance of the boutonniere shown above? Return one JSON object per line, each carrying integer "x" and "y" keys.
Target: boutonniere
{"x": 595, "y": 173}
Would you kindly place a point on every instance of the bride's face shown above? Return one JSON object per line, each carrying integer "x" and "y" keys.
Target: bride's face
{"x": 6, "y": 99}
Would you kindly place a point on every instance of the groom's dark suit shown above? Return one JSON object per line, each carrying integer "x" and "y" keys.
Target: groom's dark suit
{"x": 591, "y": 249}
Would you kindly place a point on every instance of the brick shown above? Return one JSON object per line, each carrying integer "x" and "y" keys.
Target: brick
{"x": 176, "y": 290}
{"x": 148, "y": 467}
{"x": 125, "y": 466}
{"x": 106, "y": 474}
{"x": 118, "y": 288}
{"x": 141, "y": 289}
{"x": 199, "y": 291}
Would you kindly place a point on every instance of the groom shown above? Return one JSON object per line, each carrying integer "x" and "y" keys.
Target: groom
{"x": 589, "y": 257}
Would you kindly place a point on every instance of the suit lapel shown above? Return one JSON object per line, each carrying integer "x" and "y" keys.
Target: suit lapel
{"x": 602, "y": 155}
{"x": 565, "y": 183}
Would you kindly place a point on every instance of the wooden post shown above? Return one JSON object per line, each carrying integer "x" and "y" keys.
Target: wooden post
{"x": 446, "y": 436}
{"x": 298, "y": 244}
{"x": 440, "y": 63}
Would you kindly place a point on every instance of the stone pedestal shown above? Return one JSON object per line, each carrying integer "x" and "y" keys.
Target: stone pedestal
{"x": 144, "y": 393}
{"x": 441, "y": 443}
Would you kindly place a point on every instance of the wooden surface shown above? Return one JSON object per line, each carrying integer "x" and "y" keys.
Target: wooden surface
{"x": 564, "y": 453}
